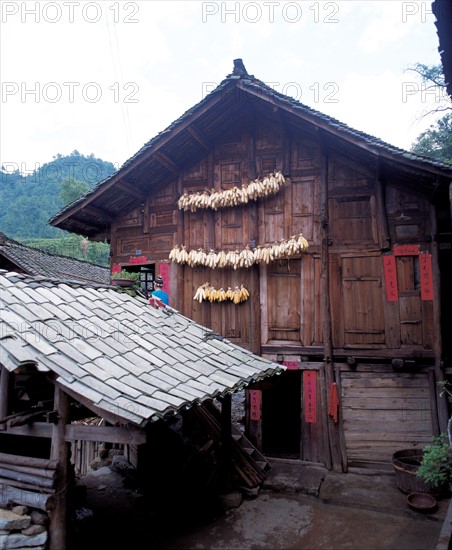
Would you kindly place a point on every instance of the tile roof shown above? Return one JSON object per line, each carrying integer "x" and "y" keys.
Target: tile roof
{"x": 241, "y": 87}
{"x": 38, "y": 262}
{"x": 138, "y": 362}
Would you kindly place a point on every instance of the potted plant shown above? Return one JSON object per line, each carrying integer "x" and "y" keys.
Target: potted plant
{"x": 435, "y": 468}
{"x": 125, "y": 278}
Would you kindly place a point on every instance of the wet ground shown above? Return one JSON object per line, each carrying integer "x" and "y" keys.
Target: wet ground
{"x": 299, "y": 506}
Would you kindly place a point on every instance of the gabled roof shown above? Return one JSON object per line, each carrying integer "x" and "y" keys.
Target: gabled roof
{"x": 116, "y": 353}
{"x": 238, "y": 98}
{"x": 38, "y": 262}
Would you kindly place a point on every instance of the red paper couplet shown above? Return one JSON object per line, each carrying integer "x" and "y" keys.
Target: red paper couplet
{"x": 406, "y": 250}
{"x": 255, "y": 404}
{"x": 390, "y": 271}
{"x": 164, "y": 274}
{"x": 310, "y": 396}
{"x": 425, "y": 265}
{"x": 116, "y": 268}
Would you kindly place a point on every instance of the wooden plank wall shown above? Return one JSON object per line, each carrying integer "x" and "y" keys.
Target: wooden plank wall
{"x": 384, "y": 412}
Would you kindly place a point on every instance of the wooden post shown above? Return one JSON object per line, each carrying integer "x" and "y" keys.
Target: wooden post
{"x": 4, "y": 386}
{"x": 382, "y": 219}
{"x": 441, "y": 401}
{"x": 333, "y": 429}
{"x": 226, "y": 437}
{"x": 59, "y": 450}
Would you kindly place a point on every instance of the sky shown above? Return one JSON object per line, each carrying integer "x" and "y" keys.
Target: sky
{"x": 105, "y": 77}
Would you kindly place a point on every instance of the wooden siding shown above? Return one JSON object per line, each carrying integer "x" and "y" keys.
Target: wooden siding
{"x": 384, "y": 413}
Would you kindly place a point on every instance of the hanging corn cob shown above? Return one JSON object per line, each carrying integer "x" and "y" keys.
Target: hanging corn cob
{"x": 206, "y": 292}
{"x": 235, "y": 196}
{"x": 236, "y": 259}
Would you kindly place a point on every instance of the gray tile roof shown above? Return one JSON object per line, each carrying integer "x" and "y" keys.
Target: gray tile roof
{"x": 38, "y": 262}
{"x": 140, "y": 370}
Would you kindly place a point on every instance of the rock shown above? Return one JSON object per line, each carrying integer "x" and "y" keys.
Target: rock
{"x": 34, "y": 530}
{"x": 121, "y": 465}
{"x": 20, "y": 510}
{"x": 10, "y": 521}
{"x": 39, "y": 518}
{"x": 17, "y": 540}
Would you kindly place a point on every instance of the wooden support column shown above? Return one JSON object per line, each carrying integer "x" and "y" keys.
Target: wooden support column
{"x": 59, "y": 450}
{"x": 441, "y": 401}
{"x": 226, "y": 437}
{"x": 382, "y": 219}
{"x": 4, "y": 386}
{"x": 339, "y": 462}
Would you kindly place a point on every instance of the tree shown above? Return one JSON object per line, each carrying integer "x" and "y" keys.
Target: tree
{"x": 71, "y": 190}
{"x": 436, "y": 142}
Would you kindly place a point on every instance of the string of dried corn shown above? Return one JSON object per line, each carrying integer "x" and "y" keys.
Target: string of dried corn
{"x": 238, "y": 259}
{"x": 206, "y": 292}
{"x": 234, "y": 196}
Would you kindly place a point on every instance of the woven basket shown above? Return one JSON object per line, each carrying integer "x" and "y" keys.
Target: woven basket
{"x": 406, "y": 464}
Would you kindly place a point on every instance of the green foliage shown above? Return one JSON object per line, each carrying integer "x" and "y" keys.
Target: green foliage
{"x": 71, "y": 190}
{"x": 436, "y": 464}
{"x": 436, "y": 142}
{"x": 29, "y": 201}
{"x": 124, "y": 274}
{"x": 74, "y": 246}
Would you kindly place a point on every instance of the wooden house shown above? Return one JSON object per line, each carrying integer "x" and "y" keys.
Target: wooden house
{"x": 227, "y": 194}
{"x": 68, "y": 351}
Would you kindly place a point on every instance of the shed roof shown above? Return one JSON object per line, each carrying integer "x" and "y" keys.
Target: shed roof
{"x": 38, "y": 262}
{"x": 116, "y": 353}
{"x": 191, "y": 136}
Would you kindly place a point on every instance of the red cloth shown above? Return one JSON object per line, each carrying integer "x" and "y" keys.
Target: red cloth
{"x": 333, "y": 405}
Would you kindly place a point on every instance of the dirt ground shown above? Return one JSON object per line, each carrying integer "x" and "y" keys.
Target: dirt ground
{"x": 299, "y": 506}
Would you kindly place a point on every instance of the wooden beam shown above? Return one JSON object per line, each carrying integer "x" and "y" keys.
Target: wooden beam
{"x": 127, "y": 188}
{"x": 99, "y": 212}
{"x": 167, "y": 162}
{"x": 199, "y": 137}
{"x": 107, "y": 434}
{"x": 131, "y": 435}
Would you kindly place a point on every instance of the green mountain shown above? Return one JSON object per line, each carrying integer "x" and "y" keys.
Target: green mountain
{"x": 29, "y": 201}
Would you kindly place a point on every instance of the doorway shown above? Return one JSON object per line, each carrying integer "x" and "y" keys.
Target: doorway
{"x": 281, "y": 416}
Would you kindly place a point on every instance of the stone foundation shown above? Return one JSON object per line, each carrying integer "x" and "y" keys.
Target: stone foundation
{"x": 22, "y": 528}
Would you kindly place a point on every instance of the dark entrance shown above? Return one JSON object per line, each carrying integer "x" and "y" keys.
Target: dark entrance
{"x": 281, "y": 416}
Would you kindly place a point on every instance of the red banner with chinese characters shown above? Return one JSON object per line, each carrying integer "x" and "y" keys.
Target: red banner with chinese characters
{"x": 255, "y": 404}
{"x": 406, "y": 250}
{"x": 390, "y": 271}
{"x": 291, "y": 365}
{"x": 425, "y": 267}
{"x": 310, "y": 396}
{"x": 138, "y": 260}
{"x": 164, "y": 274}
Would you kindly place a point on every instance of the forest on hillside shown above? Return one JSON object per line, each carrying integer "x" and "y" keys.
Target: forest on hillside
{"x": 29, "y": 201}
